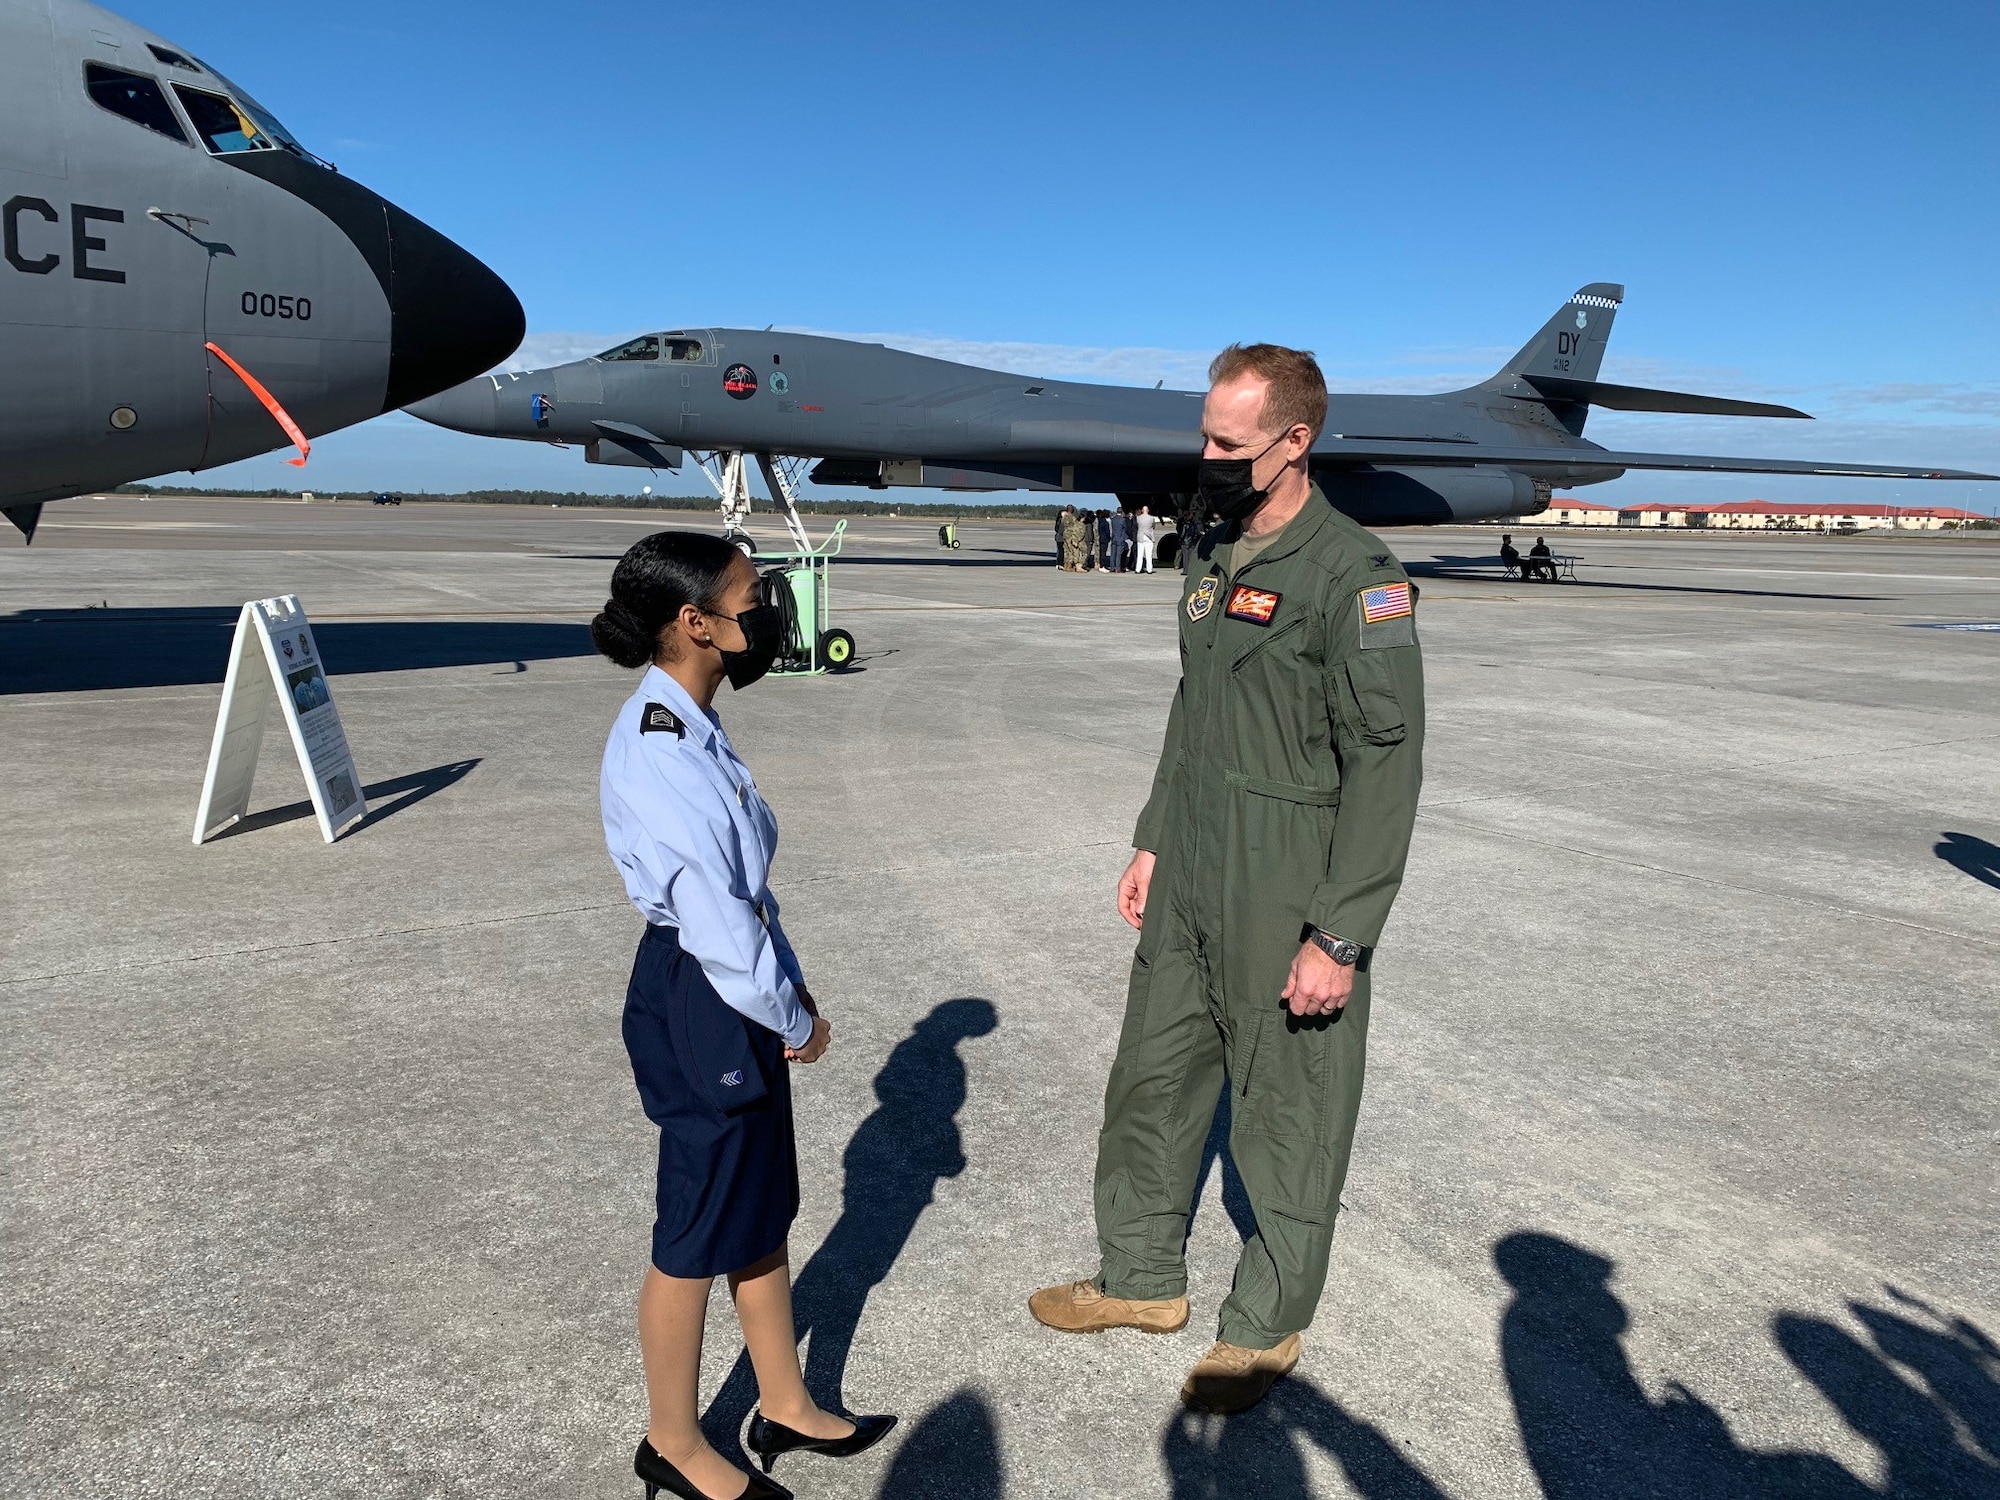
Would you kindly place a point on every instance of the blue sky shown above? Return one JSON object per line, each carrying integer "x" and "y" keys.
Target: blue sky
{"x": 1801, "y": 199}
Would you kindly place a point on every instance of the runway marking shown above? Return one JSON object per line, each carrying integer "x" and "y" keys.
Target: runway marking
{"x": 142, "y": 525}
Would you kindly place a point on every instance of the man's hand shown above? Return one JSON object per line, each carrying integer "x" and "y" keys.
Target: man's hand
{"x": 1317, "y": 985}
{"x": 1133, "y": 885}
{"x": 815, "y": 1046}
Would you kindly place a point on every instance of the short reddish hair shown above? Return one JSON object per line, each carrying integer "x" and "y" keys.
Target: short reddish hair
{"x": 1297, "y": 388}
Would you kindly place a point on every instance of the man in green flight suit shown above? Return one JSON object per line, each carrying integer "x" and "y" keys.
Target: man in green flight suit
{"x": 1265, "y": 864}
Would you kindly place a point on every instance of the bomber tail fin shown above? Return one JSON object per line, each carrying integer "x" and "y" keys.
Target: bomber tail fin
{"x": 1571, "y": 344}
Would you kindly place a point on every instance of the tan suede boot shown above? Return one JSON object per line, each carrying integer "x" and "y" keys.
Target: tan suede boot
{"x": 1229, "y": 1379}
{"x": 1079, "y": 1307}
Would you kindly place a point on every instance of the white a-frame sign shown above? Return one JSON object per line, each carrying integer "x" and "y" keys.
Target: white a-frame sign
{"x": 275, "y": 650}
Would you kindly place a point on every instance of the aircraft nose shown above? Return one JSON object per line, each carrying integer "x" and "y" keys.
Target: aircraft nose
{"x": 472, "y": 407}
{"x": 451, "y": 317}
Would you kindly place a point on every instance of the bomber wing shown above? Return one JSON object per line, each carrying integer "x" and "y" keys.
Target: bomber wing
{"x": 1378, "y": 451}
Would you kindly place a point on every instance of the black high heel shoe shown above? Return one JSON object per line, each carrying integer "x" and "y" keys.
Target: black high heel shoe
{"x": 659, "y": 1475}
{"x": 768, "y": 1439}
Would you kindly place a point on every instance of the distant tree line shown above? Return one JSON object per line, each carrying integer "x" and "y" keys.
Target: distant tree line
{"x": 942, "y": 509}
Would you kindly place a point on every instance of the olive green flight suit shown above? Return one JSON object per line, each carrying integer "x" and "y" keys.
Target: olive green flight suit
{"x": 1284, "y": 798}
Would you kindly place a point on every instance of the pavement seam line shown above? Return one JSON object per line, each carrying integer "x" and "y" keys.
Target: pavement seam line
{"x": 1709, "y": 880}
{"x": 328, "y": 942}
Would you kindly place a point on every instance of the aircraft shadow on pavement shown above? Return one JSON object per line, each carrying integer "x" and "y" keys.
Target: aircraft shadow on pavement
{"x": 892, "y": 1165}
{"x": 1975, "y": 856}
{"x": 87, "y": 650}
{"x": 407, "y": 791}
{"x": 1487, "y": 570}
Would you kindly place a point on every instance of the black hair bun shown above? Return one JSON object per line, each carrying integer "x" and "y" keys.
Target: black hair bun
{"x": 619, "y": 634}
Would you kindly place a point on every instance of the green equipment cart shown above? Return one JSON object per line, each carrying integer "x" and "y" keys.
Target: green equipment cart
{"x": 797, "y": 584}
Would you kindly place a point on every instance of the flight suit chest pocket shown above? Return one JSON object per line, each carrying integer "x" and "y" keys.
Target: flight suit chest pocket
{"x": 1286, "y": 635}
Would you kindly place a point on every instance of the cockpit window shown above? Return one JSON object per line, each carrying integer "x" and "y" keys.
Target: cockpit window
{"x": 135, "y": 96}
{"x": 172, "y": 58}
{"x": 684, "y": 351}
{"x": 647, "y": 347}
{"x": 220, "y": 124}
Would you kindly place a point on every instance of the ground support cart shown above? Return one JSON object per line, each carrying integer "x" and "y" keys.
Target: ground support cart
{"x": 797, "y": 583}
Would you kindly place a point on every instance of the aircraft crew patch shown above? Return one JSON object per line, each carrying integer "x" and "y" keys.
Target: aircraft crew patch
{"x": 1255, "y": 605}
{"x": 1202, "y": 600}
{"x": 659, "y": 718}
{"x": 1388, "y": 616}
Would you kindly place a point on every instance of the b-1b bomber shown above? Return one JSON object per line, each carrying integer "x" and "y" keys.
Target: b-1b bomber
{"x": 864, "y": 414}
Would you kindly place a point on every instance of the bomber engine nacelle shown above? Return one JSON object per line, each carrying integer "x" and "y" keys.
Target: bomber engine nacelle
{"x": 1426, "y": 496}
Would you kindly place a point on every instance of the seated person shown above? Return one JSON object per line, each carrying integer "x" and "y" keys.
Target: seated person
{"x": 1510, "y": 555}
{"x": 1541, "y": 561}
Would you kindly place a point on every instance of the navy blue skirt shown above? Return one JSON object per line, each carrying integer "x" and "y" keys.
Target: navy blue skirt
{"x": 718, "y": 1086}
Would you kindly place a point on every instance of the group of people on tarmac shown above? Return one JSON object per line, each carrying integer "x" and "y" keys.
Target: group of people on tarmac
{"x": 1108, "y": 541}
{"x": 1539, "y": 563}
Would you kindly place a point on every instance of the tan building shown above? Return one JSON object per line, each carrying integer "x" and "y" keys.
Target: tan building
{"x": 1770, "y": 515}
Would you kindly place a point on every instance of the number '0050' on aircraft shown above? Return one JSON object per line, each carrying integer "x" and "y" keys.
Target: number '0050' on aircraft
{"x": 879, "y": 417}
{"x": 182, "y": 279}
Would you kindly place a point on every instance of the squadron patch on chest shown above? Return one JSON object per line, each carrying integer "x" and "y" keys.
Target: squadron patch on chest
{"x": 1255, "y": 605}
{"x": 1202, "y": 600}
{"x": 658, "y": 718}
{"x": 1388, "y": 614}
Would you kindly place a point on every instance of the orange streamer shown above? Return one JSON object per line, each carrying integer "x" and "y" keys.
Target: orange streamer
{"x": 278, "y": 414}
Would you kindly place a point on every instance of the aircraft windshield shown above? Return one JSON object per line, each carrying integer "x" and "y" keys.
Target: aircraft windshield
{"x": 134, "y": 96}
{"x": 686, "y": 351}
{"x": 647, "y": 347}
{"x": 220, "y": 124}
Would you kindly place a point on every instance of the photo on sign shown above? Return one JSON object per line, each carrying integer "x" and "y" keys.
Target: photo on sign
{"x": 339, "y": 793}
{"x": 308, "y": 688}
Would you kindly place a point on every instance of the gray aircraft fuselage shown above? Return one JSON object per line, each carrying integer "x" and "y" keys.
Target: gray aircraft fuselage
{"x": 879, "y": 417}
{"x": 150, "y": 207}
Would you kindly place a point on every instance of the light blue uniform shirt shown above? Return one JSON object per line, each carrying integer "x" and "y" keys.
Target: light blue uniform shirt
{"x": 694, "y": 841}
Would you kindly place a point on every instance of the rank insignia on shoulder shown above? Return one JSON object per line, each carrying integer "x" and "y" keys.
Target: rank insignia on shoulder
{"x": 1255, "y": 605}
{"x": 1388, "y": 616}
{"x": 1202, "y": 600}
{"x": 1380, "y": 560}
{"x": 661, "y": 719}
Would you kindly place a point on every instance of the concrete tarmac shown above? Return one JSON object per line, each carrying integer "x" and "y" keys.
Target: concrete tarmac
{"x": 326, "y": 1175}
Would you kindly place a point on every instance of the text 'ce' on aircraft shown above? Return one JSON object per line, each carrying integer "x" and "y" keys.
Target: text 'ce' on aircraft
{"x": 879, "y": 417}
{"x": 186, "y": 285}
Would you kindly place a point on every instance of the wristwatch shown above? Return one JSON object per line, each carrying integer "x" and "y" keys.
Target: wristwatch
{"x": 1339, "y": 949}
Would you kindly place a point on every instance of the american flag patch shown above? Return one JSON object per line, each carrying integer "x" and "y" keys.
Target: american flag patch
{"x": 1385, "y": 601}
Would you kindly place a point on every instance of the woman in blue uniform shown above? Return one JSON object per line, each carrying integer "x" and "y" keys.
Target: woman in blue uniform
{"x": 716, "y": 1012}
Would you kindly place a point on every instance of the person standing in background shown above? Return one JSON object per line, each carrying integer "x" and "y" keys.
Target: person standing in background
{"x": 1118, "y": 539}
{"x": 1142, "y": 541}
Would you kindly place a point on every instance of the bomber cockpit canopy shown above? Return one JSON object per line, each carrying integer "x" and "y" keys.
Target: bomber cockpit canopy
{"x": 675, "y": 347}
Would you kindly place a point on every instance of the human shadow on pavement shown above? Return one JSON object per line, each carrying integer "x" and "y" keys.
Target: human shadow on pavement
{"x": 89, "y": 650}
{"x": 1975, "y": 856}
{"x": 1258, "y": 1453}
{"x": 407, "y": 791}
{"x": 953, "y": 1453}
{"x": 1939, "y": 1433}
{"x": 893, "y": 1164}
{"x": 1592, "y": 1430}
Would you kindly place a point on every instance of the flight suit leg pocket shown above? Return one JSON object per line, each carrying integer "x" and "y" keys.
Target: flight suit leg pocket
{"x": 1280, "y": 1131}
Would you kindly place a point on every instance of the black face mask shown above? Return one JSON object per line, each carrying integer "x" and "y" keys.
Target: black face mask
{"x": 1225, "y": 485}
{"x": 763, "y": 632}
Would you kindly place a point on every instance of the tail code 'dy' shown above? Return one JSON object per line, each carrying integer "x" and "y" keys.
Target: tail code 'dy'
{"x": 1571, "y": 344}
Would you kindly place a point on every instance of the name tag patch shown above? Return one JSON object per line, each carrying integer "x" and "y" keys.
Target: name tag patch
{"x": 658, "y": 718}
{"x": 1388, "y": 616}
{"x": 1202, "y": 600}
{"x": 1255, "y": 605}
